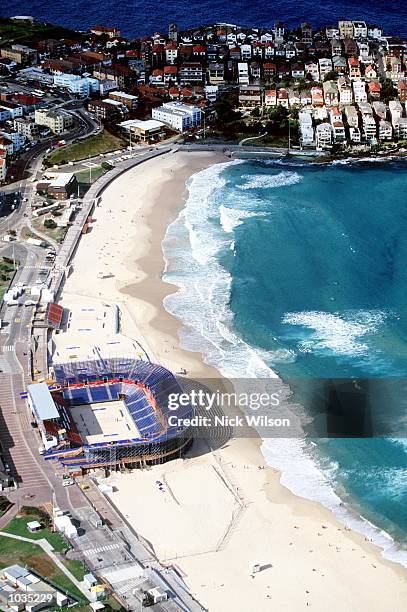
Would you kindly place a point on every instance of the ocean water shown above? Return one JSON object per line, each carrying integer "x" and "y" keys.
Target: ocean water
{"x": 143, "y": 17}
{"x": 300, "y": 269}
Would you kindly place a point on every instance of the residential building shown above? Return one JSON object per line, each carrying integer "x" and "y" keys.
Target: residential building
{"x": 352, "y": 116}
{"x": 385, "y": 130}
{"x": 339, "y": 64}
{"x": 3, "y": 170}
{"x": 370, "y": 72}
{"x": 359, "y": 29}
{"x": 402, "y": 90}
{"x": 278, "y": 31}
{"x": 355, "y": 135}
{"x": 106, "y": 110}
{"x": 269, "y": 71}
{"x": 380, "y": 109}
{"x": 106, "y": 86}
{"x": 178, "y": 116}
{"x": 13, "y": 109}
{"x": 191, "y": 73}
{"x": 20, "y": 54}
{"x": 27, "y": 128}
{"x": 297, "y": 70}
{"x": 336, "y": 46}
{"x": 369, "y": 127}
{"x": 74, "y": 83}
{"x": 359, "y": 91}
{"x": 402, "y": 131}
{"x": 283, "y": 98}
{"x": 243, "y": 73}
{"x": 331, "y": 94}
{"x": 124, "y": 98}
{"x": 354, "y": 68}
{"x": 18, "y": 140}
{"x": 250, "y": 96}
{"x": 345, "y": 91}
{"x": 374, "y": 89}
{"x": 246, "y": 52}
{"x": 339, "y": 135}
{"x": 312, "y": 69}
{"x": 216, "y": 73}
{"x": 324, "y": 135}
{"x": 345, "y": 29}
{"x": 325, "y": 66}
{"x": 317, "y": 96}
{"x": 171, "y": 53}
{"x": 270, "y": 97}
{"x": 396, "y": 112}
{"x": 56, "y": 121}
{"x": 307, "y": 134}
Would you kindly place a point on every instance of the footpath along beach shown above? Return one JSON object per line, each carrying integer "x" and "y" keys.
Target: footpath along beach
{"x": 218, "y": 511}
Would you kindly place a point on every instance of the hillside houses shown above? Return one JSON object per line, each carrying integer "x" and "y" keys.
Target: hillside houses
{"x": 349, "y": 78}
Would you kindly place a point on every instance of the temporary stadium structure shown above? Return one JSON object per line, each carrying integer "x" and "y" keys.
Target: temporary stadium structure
{"x": 110, "y": 412}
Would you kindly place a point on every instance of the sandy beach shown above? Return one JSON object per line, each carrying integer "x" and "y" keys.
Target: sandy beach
{"x": 221, "y": 510}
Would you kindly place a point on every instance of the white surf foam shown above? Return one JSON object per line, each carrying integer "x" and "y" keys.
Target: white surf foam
{"x": 342, "y": 334}
{"x": 230, "y": 218}
{"x": 264, "y": 181}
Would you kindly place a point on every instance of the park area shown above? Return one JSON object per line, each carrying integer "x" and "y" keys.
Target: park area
{"x": 14, "y": 551}
{"x": 89, "y": 147}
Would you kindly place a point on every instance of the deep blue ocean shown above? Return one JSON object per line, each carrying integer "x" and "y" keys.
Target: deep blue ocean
{"x": 141, "y": 17}
{"x": 300, "y": 269}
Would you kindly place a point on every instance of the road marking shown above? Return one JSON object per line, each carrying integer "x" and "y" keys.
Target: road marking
{"x": 9, "y": 348}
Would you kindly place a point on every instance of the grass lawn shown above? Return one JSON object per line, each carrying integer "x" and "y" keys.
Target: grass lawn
{"x": 6, "y": 274}
{"x": 85, "y": 178}
{"x": 23, "y": 32}
{"x": 56, "y": 233}
{"x": 32, "y": 556}
{"x": 89, "y": 147}
{"x": 18, "y": 526}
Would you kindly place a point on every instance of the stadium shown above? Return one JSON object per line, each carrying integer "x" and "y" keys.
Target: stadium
{"x": 109, "y": 413}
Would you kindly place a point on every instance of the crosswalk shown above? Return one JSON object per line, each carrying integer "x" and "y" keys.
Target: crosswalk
{"x": 9, "y": 348}
{"x": 105, "y": 548}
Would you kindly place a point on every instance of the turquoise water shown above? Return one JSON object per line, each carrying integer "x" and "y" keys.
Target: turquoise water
{"x": 300, "y": 269}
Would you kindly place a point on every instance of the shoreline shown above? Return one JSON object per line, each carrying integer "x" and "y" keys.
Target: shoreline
{"x": 139, "y": 290}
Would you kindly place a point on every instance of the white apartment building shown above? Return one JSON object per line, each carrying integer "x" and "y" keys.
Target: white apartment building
{"x": 324, "y": 134}
{"x": 325, "y": 66}
{"x": 17, "y": 139}
{"x": 359, "y": 29}
{"x": 178, "y": 116}
{"x": 243, "y": 73}
{"x": 385, "y": 130}
{"x": 369, "y": 127}
{"x": 359, "y": 91}
{"x": 246, "y": 52}
{"x": 81, "y": 86}
{"x": 402, "y": 133}
{"x": 107, "y": 85}
{"x": 354, "y": 135}
{"x": 56, "y": 121}
{"x": 396, "y": 112}
{"x": 11, "y": 110}
{"x": 306, "y": 129}
{"x": 3, "y": 170}
{"x": 312, "y": 68}
{"x": 27, "y": 128}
